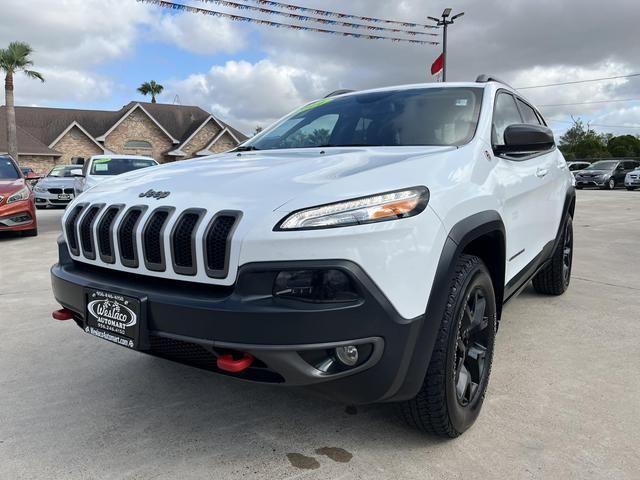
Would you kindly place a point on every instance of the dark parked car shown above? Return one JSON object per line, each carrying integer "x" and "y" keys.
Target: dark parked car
{"x": 576, "y": 166}
{"x": 606, "y": 174}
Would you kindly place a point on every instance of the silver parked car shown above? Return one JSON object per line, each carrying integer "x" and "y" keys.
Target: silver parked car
{"x": 632, "y": 180}
{"x": 56, "y": 188}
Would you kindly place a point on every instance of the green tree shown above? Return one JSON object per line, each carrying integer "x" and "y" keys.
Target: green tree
{"x": 624, "y": 146}
{"x": 151, "y": 88}
{"x": 13, "y": 59}
{"x": 581, "y": 141}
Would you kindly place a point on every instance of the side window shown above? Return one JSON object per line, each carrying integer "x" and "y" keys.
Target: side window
{"x": 528, "y": 113}
{"x": 505, "y": 113}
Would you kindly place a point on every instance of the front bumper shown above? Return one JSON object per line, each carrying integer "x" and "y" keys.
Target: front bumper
{"x": 194, "y": 323}
{"x": 46, "y": 199}
{"x": 632, "y": 182}
{"x": 18, "y": 216}
{"x": 591, "y": 182}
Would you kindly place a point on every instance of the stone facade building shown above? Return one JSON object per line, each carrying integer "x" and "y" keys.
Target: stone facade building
{"x": 58, "y": 136}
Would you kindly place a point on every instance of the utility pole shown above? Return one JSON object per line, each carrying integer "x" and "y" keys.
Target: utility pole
{"x": 444, "y": 22}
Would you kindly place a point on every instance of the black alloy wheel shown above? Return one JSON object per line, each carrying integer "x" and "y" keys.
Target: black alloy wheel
{"x": 471, "y": 348}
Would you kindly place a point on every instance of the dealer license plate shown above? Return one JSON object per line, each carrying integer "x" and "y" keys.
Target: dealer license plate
{"x": 64, "y": 196}
{"x": 113, "y": 317}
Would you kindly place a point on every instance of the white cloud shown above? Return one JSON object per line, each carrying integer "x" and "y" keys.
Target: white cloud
{"x": 200, "y": 34}
{"x": 247, "y": 94}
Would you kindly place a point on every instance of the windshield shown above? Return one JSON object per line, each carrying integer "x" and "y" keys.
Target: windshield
{"x": 8, "y": 170}
{"x": 62, "y": 171}
{"x": 606, "y": 165}
{"x": 421, "y": 116}
{"x": 116, "y": 166}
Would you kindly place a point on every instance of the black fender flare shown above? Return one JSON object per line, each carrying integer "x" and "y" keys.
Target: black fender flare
{"x": 460, "y": 236}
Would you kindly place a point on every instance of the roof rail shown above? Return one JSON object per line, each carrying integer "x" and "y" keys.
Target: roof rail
{"x": 484, "y": 78}
{"x": 338, "y": 92}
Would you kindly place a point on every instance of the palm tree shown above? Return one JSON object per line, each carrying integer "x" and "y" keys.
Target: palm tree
{"x": 152, "y": 88}
{"x": 15, "y": 58}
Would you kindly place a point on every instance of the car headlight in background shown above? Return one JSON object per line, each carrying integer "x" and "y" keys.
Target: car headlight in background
{"x": 358, "y": 211}
{"x": 39, "y": 189}
{"x": 22, "y": 194}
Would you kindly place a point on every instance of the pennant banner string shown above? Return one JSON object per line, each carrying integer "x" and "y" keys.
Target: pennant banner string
{"x": 305, "y": 18}
{"x": 326, "y": 13}
{"x": 240, "y": 18}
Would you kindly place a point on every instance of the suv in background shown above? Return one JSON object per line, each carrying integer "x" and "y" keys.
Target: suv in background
{"x": 103, "y": 167}
{"x": 363, "y": 247}
{"x": 606, "y": 174}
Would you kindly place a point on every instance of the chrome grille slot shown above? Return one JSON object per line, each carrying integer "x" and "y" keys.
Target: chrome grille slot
{"x": 127, "y": 243}
{"x": 183, "y": 242}
{"x": 86, "y": 231}
{"x": 217, "y": 243}
{"x": 153, "y": 239}
{"x": 70, "y": 229}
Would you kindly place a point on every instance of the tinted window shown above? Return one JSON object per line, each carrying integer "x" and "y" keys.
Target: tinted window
{"x": 8, "y": 170}
{"x": 630, "y": 165}
{"x": 528, "y": 113}
{"x": 422, "y": 116}
{"x": 505, "y": 113}
{"x": 117, "y": 166}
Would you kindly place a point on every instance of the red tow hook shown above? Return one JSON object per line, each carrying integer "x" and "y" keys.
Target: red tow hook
{"x": 62, "y": 314}
{"x": 229, "y": 364}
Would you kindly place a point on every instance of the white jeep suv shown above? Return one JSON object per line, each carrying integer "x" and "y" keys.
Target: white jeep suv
{"x": 363, "y": 246}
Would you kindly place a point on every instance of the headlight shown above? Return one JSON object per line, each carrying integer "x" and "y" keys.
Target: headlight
{"x": 359, "y": 211}
{"x": 22, "y": 194}
{"x": 39, "y": 189}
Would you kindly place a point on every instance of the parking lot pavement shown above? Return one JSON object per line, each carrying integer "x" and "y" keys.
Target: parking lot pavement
{"x": 562, "y": 401}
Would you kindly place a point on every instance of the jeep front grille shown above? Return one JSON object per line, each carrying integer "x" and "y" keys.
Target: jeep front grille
{"x": 158, "y": 241}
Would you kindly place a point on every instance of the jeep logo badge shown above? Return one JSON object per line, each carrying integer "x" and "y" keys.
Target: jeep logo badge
{"x": 154, "y": 194}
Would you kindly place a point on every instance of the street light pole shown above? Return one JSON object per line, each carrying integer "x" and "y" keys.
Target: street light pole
{"x": 444, "y": 23}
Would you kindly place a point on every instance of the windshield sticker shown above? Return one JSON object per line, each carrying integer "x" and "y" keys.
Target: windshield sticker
{"x": 461, "y": 102}
{"x": 102, "y": 160}
{"x": 101, "y": 167}
{"x": 317, "y": 104}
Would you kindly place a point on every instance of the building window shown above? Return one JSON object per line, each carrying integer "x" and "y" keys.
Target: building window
{"x": 138, "y": 145}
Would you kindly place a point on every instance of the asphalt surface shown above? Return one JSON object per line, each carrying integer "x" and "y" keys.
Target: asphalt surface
{"x": 563, "y": 399}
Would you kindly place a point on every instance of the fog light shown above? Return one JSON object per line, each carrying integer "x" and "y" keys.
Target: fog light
{"x": 318, "y": 286}
{"x": 347, "y": 355}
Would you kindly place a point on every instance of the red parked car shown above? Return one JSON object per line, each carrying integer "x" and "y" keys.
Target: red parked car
{"x": 17, "y": 205}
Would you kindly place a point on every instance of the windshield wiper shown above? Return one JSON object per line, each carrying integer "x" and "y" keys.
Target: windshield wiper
{"x": 246, "y": 148}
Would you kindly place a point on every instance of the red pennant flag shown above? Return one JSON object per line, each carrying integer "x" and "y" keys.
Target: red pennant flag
{"x": 438, "y": 65}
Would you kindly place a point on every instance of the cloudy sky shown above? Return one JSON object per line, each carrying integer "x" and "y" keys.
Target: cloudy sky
{"x": 95, "y": 53}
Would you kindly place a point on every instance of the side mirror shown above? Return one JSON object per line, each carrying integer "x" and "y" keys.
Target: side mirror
{"x": 524, "y": 139}
{"x": 77, "y": 172}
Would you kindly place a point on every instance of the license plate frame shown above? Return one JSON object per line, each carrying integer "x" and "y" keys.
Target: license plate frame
{"x": 65, "y": 196}
{"x": 116, "y": 317}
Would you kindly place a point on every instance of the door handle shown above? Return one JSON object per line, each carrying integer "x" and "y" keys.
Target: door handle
{"x": 542, "y": 172}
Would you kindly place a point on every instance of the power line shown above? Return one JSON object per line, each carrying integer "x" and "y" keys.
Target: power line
{"x": 327, "y": 13}
{"x": 305, "y": 18}
{"x": 580, "y": 81}
{"x": 591, "y": 103}
{"x": 240, "y": 18}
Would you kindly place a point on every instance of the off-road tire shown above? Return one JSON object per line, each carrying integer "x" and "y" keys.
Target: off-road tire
{"x": 554, "y": 279}
{"x": 436, "y": 408}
